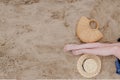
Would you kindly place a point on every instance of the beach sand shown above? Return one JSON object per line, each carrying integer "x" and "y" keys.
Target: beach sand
{"x": 34, "y": 32}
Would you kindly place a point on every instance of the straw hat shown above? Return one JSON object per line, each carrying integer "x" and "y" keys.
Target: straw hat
{"x": 89, "y": 65}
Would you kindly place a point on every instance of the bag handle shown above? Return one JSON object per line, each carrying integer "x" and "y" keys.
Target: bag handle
{"x": 93, "y": 20}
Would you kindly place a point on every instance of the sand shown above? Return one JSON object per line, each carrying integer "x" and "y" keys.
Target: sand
{"x": 34, "y": 32}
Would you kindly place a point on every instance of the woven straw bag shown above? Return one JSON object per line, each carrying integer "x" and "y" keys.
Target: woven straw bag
{"x": 84, "y": 31}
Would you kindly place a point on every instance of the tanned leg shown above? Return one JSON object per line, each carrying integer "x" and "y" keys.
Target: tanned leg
{"x": 88, "y": 45}
{"x": 102, "y": 51}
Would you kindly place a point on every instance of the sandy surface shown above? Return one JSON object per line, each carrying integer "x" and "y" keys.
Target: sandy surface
{"x": 34, "y": 32}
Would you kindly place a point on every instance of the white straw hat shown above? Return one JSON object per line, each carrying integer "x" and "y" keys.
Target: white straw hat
{"x": 89, "y": 65}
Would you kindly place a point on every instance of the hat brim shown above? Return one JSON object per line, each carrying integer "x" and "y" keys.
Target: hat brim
{"x": 80, "y": 66}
